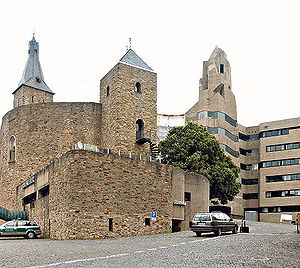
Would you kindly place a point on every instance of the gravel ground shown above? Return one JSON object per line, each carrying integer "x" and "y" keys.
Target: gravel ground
{"x": 267, "y": 245}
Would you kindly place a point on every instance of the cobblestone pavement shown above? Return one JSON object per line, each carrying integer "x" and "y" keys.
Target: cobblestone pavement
{"x": 267, "y": 245}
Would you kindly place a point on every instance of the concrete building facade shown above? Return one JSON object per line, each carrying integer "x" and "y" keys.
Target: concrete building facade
{"x": 268, "y": 155}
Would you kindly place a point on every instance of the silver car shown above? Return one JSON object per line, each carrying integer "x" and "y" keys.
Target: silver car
{"x": 216, "y": 222}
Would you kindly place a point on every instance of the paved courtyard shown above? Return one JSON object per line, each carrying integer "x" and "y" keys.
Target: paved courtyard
{"x": 267, "y": 245}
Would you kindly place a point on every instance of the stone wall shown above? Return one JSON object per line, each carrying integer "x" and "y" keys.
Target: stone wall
{"x": 124, "y": 106}
{"x": 87, "y": 189}
{"x": 42, "y": 131}
{"x": 28, "y": 95}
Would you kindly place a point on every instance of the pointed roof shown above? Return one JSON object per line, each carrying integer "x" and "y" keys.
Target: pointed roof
{"x": 33, "y": 75}
{"x": 131, "y": 58}
{"x": 217, "y": 51}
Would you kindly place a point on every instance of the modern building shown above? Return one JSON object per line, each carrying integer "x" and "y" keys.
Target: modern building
{"x": 87, "y": 170}
{"x": 268, "y": 155}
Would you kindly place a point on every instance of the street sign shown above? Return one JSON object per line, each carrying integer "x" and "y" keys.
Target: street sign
{"x": 153, "y": 215}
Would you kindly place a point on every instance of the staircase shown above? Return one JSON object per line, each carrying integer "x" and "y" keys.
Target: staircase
{"x": 154, "y": 151}
{"x": 141, "y": 138}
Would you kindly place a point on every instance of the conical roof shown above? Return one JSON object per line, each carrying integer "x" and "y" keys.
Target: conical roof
{"x": 33, "y": 75}
{"x": 131, "y": 58}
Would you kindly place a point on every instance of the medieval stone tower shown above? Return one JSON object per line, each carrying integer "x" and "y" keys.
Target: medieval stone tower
{"x": 216, "y": 109}
{"x": 32, "y": 87}
{"x": 128, "y": 96}
{"x": 38, "y": 130}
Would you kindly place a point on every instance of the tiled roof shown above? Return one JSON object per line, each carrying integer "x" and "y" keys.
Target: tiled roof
{"x": 33, "y": 75}
{"x": 133, "y": 59}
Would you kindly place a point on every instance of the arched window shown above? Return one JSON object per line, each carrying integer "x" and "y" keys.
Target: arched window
{"x": 138, "y": 87}
{"x": 12, "y": 149}
{"x": 139, "y": 129}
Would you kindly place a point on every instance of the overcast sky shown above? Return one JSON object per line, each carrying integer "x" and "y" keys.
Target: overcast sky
{"x": 80, "y": 41}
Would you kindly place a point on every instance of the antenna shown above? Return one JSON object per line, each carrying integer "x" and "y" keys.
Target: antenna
{"x": 128, "y": 46}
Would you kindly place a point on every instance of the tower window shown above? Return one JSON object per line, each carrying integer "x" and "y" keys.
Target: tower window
{"x": 12, "y": 150}
{"x": 110, "y": 224}
{"x": 139, "y": 129}
{"x": 107, "y": 91}
{"x": 32, "y": 99}
{"x": 221, "y": 68}
{"x": 138, "y": 87}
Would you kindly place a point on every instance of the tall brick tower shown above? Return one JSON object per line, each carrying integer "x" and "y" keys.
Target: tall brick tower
{"x": 128, "y": 95}
{"x": 32, "y": 87}
{"x": 216, "y": 109}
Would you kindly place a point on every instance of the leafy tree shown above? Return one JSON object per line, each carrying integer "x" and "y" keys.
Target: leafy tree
{"x": 193, "y": 149}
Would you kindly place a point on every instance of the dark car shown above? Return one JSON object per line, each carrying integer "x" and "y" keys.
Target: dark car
{"x": 28, "y": 229}
{"x": 216, "y": 222}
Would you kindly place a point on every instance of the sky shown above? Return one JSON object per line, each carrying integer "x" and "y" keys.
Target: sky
{"x": 80, "y": 41}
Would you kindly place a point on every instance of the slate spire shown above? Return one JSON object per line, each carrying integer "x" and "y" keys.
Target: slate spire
{"x": 33, "y": 75}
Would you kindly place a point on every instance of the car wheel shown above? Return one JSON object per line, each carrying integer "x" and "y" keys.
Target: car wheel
{"x": 218, "y": 232}
{"x": 30, "y": 235}
{"x": 235, "y": 229}
{"x": 198, "y": 233}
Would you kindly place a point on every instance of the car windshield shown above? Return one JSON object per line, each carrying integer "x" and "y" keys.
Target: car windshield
{"x": 202, "y": 217}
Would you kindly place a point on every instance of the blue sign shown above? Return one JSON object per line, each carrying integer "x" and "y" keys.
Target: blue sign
{"x": 153, "y": 214}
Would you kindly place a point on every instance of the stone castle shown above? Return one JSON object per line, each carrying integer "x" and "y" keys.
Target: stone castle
{"x": 87, "y": 170}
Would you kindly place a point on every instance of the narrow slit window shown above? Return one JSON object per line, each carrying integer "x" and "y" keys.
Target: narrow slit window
{"x": 107, "y": 91}
{"x": 138, "y": 87}
{"x": 110, "y": 224}
{"x": 221, "y": 68}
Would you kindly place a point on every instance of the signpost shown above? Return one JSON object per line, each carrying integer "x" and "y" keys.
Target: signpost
{"x": 298, "y": 220}
{"x": 153, "y": 215}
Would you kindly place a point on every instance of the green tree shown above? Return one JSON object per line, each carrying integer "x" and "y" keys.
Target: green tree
{"x": 193, "y": 149}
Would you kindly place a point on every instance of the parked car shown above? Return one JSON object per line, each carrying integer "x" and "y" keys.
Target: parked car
{"x": 216, "y": 222}
{"x": 28, "y": 229}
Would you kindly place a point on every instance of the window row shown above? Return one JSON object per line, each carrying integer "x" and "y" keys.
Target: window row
{"x": 229, "y": 150}
{"x": 249, "y": 181}
{"x": 264, "y": 134}
{"x": 283, "y": 147}
{"x": 280, "y": 209}
{"x": 248, "y": 152}
{"x": 222, "y": 131}
{"x": 137, "y": 88}
{"x": 289, "y": 177}
{"x": 217, "y": 115}
{"x": 250, "y": 196}
{"x": 249, "y": 166}
{"x": 283, "y": 193}
{"x": 276, "y": 163}
{"x": 276, "y": 132}
{"x": 252, "y": 137}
